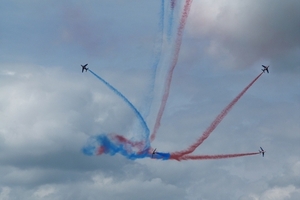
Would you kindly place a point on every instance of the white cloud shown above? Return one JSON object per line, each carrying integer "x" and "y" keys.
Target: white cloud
{"x": 279, "y": 193}
{"x": 4, "y": 194}
{"x": 44, "y": 191}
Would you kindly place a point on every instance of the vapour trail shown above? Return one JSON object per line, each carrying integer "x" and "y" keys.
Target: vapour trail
{"x": 157, "y": 58}
{"x": 160, "y": 42}
{"x": 139, "y": 116}
{"x": 212, "y": 157}
{"x": 214, "y": 124}
{"x": 172, "y": 67}
{"x": 112, "y": 143}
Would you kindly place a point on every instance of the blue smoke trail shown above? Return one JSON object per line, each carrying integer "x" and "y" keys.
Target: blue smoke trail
{"x": 160, "y": 41}
{"x": 163, "y": 156}
{"x": 157, "y": 59}
{"x": 138, "y": 114}
{"x": 109, "y": 144}
{"x": 110, "y": 147}
{"x": 106, "y": 143}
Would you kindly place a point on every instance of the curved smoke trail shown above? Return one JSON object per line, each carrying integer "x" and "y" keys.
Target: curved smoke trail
{"x": 138, "y": 114}
{"x": 214, "y": 124}
{"x": 113, "y": 143}
{"x": 172, "y": 67}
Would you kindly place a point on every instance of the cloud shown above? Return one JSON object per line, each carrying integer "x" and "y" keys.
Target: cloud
{"x": 279, "y": 193}
{"x": 4, "y": 194}
{"x": 47, "y": 113}
{"x": 243, "y": 33}
{"x": 44, "y": 191}
{"x": 46, "y": 119}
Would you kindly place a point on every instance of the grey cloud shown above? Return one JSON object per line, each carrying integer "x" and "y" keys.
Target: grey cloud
{"x": 243, "y": 33}
{"x": 47, "y": 113}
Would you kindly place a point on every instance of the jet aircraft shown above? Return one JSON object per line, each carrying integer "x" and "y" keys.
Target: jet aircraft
{"x": 154, "y": 152}
{"x": 265, "y": 68}
{"x": 262, "y": 152}
{"x": 84, "y": 67}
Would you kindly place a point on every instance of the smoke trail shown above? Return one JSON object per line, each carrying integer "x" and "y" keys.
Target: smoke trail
{"x": 215, "y": 123}
{"x": 210, "y": 157}
{"x": 172, "y": 67}
{"x": 157, "y": 58}
{"x": 160, "y": 42}
{"x": 171, "y": 19}
{"x": 139, "y": 116}
{"x": 112, "y": 144}
{"x": 168, "y": 156}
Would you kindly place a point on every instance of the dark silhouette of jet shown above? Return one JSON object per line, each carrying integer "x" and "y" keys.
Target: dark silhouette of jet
{"x": 265, "y": 68}
{"x": 84, "y": 67}
{"x": 154, "y": 152}
{"x": 262, "y": 152}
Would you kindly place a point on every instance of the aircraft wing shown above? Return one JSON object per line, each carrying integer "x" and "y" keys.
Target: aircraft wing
{"x": 262, "y": 151}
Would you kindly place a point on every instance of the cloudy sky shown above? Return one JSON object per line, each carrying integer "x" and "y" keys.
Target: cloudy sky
{"x": 49, "y": 109}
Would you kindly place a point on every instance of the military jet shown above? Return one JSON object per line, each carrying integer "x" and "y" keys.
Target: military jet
{"x": 84, "y": 67}
{"x": 154, "y": 152}
{"x": 265, "y": 68}
{"x": 262, "y": 152}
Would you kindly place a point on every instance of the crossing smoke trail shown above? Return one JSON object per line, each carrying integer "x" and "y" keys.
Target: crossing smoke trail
{"x": 213, "y": 125}
{"x": 112, "y": 143}
{"x": 172, "y": 67}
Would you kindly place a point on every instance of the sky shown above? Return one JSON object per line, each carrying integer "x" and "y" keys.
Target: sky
{"x": 49, "y": 109}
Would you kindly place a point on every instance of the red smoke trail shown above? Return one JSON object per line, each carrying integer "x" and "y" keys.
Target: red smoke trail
{"x": 172, "y": 67}
{"x": 122, "y": 143}
{"x": 210, "y": 157}
{"x": 214, "y": 124}
{"x": 122, "y": 140}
